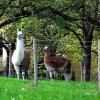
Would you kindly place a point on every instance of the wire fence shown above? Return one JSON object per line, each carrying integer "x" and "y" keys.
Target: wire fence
{"x": 36, "y": 67}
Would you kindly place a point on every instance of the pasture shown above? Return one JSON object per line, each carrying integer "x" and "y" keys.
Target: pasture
{"x": 14, "y": 89}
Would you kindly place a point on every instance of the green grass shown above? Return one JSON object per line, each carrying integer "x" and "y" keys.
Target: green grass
{"x": 13, "y": 89}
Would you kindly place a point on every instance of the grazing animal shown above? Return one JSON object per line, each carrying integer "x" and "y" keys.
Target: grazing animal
{"x": 18, "y": 54}
{"x": 55, "y": 64}
{"x": 25, "y": 63}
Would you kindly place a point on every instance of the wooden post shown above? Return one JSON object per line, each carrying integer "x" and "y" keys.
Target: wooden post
{"x": 83, "y": 71}
{"x": 35, "y": 63}
{"x": 99, "y": 66}
{"x": 10, "y": 55}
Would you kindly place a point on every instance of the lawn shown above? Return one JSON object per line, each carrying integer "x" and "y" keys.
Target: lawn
{"x": 13, "y": 89}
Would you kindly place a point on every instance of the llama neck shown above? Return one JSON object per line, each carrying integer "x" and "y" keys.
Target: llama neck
{"x": 49, "y": 55}
{"x": 20, "y": 45}
{"x": 46, "y": 56}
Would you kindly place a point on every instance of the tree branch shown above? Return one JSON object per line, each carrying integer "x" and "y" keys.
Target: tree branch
{"x": 4, "y": 7}
{"x": 77, "y": 35}
{"x": 93, "y": 21}
{"x": 69, "y": 18}
{"x": 21, "y": 15}
{"x": 53, "y": 10}
{"x": 64, "y": 16}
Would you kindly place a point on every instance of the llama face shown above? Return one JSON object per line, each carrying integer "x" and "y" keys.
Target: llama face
{"x": 49, "y": 50}
{"x": 20, "y": 34}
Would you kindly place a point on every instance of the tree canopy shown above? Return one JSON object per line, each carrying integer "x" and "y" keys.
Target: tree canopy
{"x": 53, "y": 19}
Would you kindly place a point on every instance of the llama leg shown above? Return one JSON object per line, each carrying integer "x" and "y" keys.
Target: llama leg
{"x": 51, "y": 75}
{"x": 23, "y": 73}
{"x": 20, "y": 71}
{"x": 66, "y": 77}
{"x": 69, "y": 76}
{"x": 55, "y": 75}
{"x": 17, "y": 70}
{"x": 50, "y": 72}
{"x": 26, "y": 70}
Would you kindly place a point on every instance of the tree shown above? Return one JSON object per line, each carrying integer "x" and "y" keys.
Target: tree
{"x": 16, "y": 9}
{"x": 80, "y": 15}
{"x": 87, "y": 27}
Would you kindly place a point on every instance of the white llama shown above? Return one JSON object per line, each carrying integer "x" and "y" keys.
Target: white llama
{"x": 18, "y": 54}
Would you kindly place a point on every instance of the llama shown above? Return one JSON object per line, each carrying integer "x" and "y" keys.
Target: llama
{"x": 18, "y": 54}
{"x": 55, "y": 64}
{"x": 26, "y": 62}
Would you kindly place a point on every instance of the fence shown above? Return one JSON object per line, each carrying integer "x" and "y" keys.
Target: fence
{"x": 99, "y": 65}
{"x": 39, "y": 67}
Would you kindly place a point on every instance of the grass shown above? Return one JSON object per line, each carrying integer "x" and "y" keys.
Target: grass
{"x": 13, "y": 89}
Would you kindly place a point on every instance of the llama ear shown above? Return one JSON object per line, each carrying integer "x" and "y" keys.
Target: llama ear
{"x": 17, "y": 29}
{"x": 22, "y": 30}
{"x": 46, "y": 47}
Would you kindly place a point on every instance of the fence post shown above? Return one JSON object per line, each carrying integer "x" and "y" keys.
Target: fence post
{"x": 35, "y": 63}
{"x": 10, "y": 63}
{"x": 83, "y": 70}
{"x": 99, "y": 66}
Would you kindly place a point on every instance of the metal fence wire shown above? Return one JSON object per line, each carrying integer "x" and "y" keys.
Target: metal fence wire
{"x": 68, "y": 50}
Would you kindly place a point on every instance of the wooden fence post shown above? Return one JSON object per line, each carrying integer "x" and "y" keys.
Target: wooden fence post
{"x": 83, "y": 70}
{"x": 99, "y": 66}
{"x": 35, "y": 63}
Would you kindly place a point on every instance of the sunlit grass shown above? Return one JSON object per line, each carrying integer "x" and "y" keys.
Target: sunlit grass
{"x": 13, "y": 89}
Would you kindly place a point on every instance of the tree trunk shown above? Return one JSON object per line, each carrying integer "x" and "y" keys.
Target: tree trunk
{"x": 87, "y": 58}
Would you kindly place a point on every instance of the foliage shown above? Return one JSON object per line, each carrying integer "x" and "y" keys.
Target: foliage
{"x": 50, "y": 20}
{"x": 36, "y": 25}
{"x": 70, "y": 49}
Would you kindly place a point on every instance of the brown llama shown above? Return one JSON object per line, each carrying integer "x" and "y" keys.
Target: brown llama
{"x": 25, "y": 63}
{"x": 55, "y": 64}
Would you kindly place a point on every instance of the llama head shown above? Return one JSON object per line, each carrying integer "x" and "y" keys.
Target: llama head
{"x": 49, "y": 50}
{"x": 20, "y": 34}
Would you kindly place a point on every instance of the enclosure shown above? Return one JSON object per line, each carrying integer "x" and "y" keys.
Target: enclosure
{"x": 66, "y": 48}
